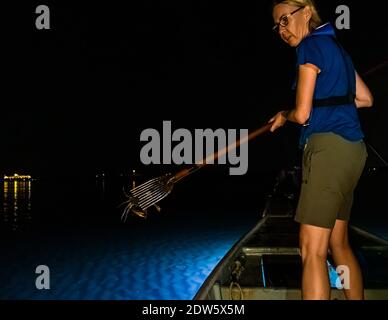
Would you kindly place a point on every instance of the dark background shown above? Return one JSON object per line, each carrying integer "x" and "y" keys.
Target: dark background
{"x": 81, "y": 93}
{"x": 76, "y": 98}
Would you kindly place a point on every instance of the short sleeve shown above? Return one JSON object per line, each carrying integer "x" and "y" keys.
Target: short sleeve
{"x": 310, "y": 51}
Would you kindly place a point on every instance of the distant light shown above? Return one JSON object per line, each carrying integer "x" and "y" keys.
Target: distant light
{"x": 17, "y": 177}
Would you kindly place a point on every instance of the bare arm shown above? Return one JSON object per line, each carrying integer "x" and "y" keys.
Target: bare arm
{"x": 304, "y": 98}
{"x": 364, "y": 98}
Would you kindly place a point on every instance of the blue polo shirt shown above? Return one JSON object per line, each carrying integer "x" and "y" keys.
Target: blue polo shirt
{"x": 336, "y": 78}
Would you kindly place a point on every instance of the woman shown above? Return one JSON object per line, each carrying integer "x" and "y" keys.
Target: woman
{"x": 328, "y": 93}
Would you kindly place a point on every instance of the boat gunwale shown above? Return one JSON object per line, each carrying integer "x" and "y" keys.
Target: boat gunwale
{"x": 205, "y": 288}
{"x": 214, "y": 276}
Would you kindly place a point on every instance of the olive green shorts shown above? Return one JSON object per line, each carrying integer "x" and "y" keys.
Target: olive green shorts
{"x": 331, "y": 169}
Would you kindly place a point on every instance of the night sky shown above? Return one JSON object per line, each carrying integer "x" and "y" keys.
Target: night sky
{"x": 81, "y": 93}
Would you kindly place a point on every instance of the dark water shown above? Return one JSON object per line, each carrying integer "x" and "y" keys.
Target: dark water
{"x": 73, "y": 227}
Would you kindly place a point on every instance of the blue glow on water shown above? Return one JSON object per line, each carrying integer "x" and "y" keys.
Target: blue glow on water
{"x": 162, "y": 258}
{"x": 162, "y": 267}
{"x": 169, "y": 260}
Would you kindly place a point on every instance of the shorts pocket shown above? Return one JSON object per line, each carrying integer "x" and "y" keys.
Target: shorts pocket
{"x": 306, "y": 169}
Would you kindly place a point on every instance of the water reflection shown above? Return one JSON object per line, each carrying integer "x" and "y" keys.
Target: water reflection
{"x": 16, "y": 202}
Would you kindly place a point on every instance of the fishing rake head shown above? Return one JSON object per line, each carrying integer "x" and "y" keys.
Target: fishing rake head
{"x": 147, "y": 195}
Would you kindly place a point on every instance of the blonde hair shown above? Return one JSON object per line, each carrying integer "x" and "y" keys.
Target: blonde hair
{"x": 315, "y": 20}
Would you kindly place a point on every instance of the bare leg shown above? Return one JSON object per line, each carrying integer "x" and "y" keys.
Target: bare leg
{"x": 314, "y": 243}
{"x": 343, "y": 256}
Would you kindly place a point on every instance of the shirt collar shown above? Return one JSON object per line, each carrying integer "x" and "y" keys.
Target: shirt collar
{"x": 323, "y": 30}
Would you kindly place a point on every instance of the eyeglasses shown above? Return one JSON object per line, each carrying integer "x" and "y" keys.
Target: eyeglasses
{"x": 284, "y": 20}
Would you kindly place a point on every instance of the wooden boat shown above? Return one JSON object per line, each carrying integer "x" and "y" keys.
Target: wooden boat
{"x": 265, "y": 264}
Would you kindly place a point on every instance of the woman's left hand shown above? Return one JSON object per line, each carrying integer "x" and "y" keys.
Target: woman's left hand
{"x": 278, "y": 120}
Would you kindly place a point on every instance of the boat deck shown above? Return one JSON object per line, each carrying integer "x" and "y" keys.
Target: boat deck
{"x": 271, "y": 263}
{"x": 266, "y": 263}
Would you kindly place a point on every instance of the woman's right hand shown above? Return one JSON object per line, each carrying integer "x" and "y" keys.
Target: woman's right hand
{"x": 278, "y": 120}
